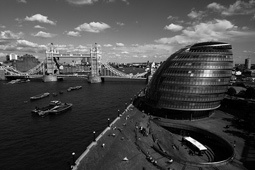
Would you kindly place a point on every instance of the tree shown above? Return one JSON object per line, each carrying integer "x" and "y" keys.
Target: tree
{"x": 231, "y": 91}
{"x": 250, "y": 93}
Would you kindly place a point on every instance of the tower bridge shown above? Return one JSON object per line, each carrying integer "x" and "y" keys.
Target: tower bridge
{"x": 49, "y": 69}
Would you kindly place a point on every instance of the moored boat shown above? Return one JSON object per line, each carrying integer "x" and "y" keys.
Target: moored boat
{"x": 19, "y": 81}
{"x": 39, "y": 96}
{"x": 74, "y": 88}
{"x": 45, "y": 110}
{"x": 61, "y": 108}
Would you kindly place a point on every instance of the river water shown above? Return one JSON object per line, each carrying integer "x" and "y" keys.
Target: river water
{"x": 32, "y": 142}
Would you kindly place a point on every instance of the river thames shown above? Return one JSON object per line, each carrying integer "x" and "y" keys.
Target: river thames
{"x": 32, "y": 142}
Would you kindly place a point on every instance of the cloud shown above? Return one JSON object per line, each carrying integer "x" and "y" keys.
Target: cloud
{"x": 238, "y": 8}
{"x": 44, "y": 34}
{"x": 107, "y": 45}
{"x": 196, "y": 15}
{"x": 81, "y": 2}
{"x": 9, "y": 35}
{"x": 73, "y": 33}
{"x": 170, "y": 17}
{"x": 120, "y": 23}
{"x": 22, "y": 1}
{"x": 25, "y": 43}
{"x": 208, "y": 31}
{"x": 91, "y": 2}
{"x": 138, "y": 53}
{"x": 120, "y": 45}
{"x": 23, "y": 46}
{"x": 109, "y": 1}
{"x": 173, "y": 27}
{"x": 94, "y": 27}
{"x": 39, "y": 27}
{"x": 73, "y": 49}
{"x": 40, "y": 18}
{"x": 2, "y": 26}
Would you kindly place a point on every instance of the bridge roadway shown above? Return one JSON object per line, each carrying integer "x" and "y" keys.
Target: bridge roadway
{"x": 104, "y": 78}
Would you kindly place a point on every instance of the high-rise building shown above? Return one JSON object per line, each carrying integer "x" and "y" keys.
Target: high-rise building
{"x": 248, "y": 63}
{"x": 191, "y": 82}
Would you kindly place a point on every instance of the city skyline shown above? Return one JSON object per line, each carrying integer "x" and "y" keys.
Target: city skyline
{"x": 126, "y": 30}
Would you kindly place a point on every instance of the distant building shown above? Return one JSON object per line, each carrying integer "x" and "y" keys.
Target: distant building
{"x": 191, "y": 82}
{"x": 248, "y": 63}
{"x": 11, "y": 57}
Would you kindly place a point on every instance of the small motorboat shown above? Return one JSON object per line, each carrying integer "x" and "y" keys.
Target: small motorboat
{"x": 39, "y": 96}
{"x": 74, "y": 88}
{"x": 18, "y": 81}
{"x": 61, "y": 108}
{"x": 45, "y": 110}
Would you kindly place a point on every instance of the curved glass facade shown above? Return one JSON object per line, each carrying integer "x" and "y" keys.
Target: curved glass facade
{"x": 194, "y": 78}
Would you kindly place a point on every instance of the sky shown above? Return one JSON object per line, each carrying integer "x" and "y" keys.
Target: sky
{"x": 126, "y": 30}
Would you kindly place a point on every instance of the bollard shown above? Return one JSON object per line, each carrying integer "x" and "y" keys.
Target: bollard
{"x": 94, "y": 136}
{"x": 118, "y": 113}
{"x": 108, "y": 122}
{"x": 73, "y": 155}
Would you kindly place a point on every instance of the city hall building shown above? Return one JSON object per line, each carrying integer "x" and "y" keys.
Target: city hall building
{"x": 191, "y": 83}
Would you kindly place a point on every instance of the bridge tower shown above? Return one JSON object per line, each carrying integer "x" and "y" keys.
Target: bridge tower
{"x": 50, "y": 70}
{"x": 95, "y": 61}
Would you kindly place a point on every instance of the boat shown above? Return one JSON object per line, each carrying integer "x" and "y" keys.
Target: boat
{"x": 74, "y": 88}
{"x": 39, "y": 96}
{"x": 19, "y": 81}
{"x": 61, "y": 108}
{"x": 45, "y": 110}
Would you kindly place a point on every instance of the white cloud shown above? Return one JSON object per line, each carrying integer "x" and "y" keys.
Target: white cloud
{"x": 22, "y": 1}
{"x": 196, "y": 15}
{"x": 94, "y": 27}
{"x": 39, "y": 27}
{"x": 120, "y": 45}
{"x": 90, "y": 2}
{"x": 116, "y": 0}
{"x": 73, "y": 33}
{"x": 25, "y": 43}
{"x": 81, "y": 2}
{"x": 216, "y": 6}
{"x": 44, "y": 34}
{"x": 173, "y": 27}
{"x": 135, "y": 45}
{"x": 107, "y": 45}
{"x": 208, "y": 31}
{"x": 23, "y": 46}
{"x": 172, "y": 17}
{"x": 238, "y": 8}
{"x": 10, "y": 35}
{"x": 40, "y": 18}
{"x": 120, "y": 23}
{"x": 2, "y": 26}
{"x": 124, "y": 52}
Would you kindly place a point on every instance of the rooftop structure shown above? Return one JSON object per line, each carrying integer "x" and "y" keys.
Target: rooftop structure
{"x": 192, "y": 81}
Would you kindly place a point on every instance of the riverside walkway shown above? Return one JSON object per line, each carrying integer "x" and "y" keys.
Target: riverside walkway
{"x": 134, "y": 141}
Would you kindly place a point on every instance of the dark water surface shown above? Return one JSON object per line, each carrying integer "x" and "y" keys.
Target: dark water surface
{"x": 32, "y": 142}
